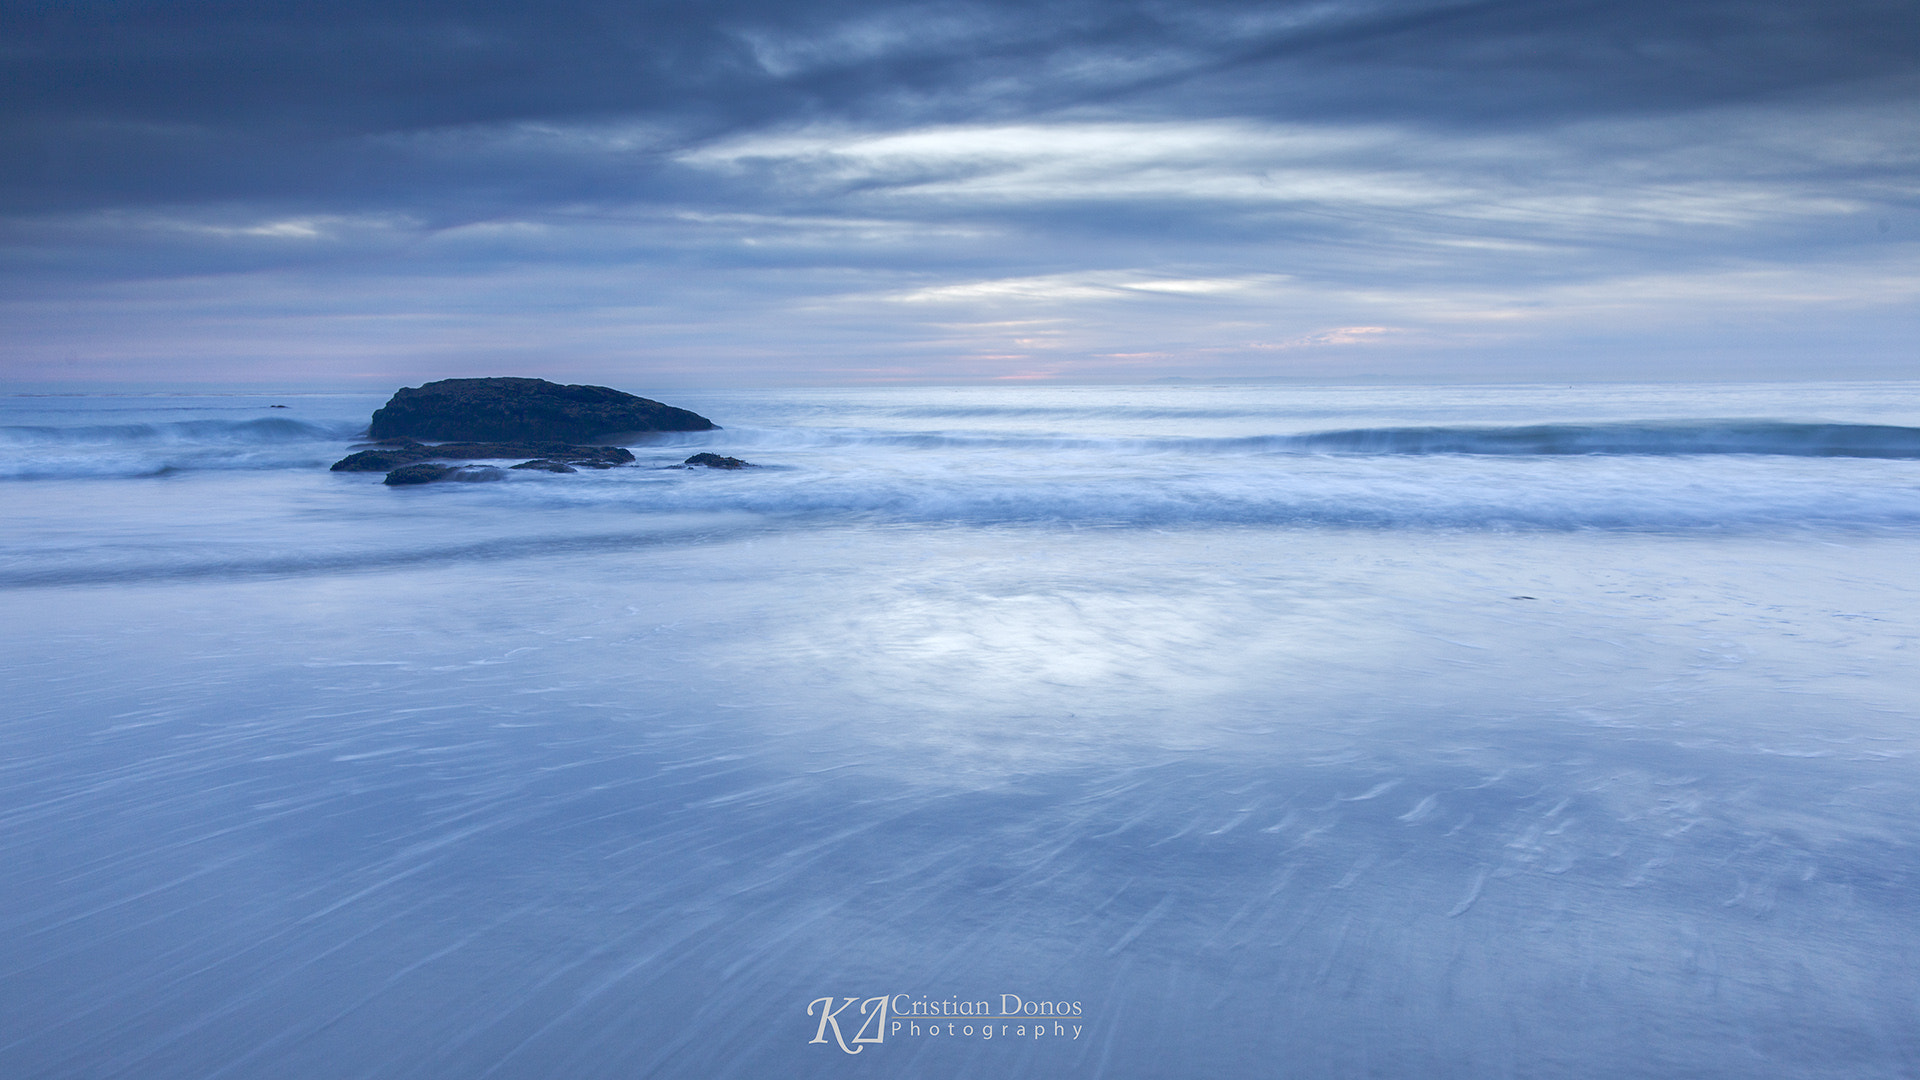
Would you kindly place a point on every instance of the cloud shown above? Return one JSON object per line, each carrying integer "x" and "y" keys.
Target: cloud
{"x": 1109, "y": 285}
{"x": 1722, "y": 169}
{"x": 111, "y": 103}
{"x": 858, "y": 187}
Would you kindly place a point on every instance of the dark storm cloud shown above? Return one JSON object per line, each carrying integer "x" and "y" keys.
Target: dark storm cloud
{"x": 116, "y": 103}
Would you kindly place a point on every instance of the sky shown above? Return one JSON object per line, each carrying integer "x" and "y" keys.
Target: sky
{"x": 750, "y": 193}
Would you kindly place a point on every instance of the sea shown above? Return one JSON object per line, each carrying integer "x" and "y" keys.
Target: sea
{"x": 1180, "y": 730}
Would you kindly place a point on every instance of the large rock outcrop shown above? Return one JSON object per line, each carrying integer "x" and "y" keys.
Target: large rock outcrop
{"x": 523, "y": 411}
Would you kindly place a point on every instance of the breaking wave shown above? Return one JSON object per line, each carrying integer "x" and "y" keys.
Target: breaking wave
{"x": 167, "y": 448}
{"x": 1643, "y": 438}
{"x": 266, "y": 430}
{"x": 1654, "y": 438}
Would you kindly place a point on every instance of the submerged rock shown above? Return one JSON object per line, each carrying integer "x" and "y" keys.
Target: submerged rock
{"x": 715, "y": 461}
{"x": 429, "y": 473}
{"x": 525, "y": 410}
{"x": 376, "y": 460}
{"x": 399, "y": 452}
{"x": 546, "y": 466}
{"x": 418, "y": 474}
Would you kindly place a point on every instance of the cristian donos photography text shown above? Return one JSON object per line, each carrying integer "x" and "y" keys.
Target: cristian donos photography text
{"x": 871, "y": 1020}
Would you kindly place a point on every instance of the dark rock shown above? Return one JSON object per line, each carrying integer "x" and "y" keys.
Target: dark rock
{"x": 715, "y": 461}
{"x": 376, "y": 460}
{"x": 418, "y": 474}
{"x": 605, "y": 455}
{"x": 546, "y": 466}
{"x": 276, "y": 406}
{"x": 524, "y": 409}
{"x": 429, "y": 473}
{"x": 396, "y": 452}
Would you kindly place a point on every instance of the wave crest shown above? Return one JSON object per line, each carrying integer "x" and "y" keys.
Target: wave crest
{"x": 265, "y": 430}
{"x": 1639, "y": 438}
{"x": 1642, "y": 438}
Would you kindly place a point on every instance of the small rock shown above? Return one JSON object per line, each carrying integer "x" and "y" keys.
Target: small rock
{"x": 549, "y": 466}
{"x": 715, "y": 461}
{"x": 395, "y": 452}
{"x": 429, "y": 473}
{"x": 375, "y": 460}
{"x": 422, "y": 473}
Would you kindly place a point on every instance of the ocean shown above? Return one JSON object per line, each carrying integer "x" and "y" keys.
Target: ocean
{"x": 1160, "y": 731}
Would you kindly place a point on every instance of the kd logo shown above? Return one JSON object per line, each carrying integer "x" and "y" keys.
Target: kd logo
{"x": 874, "y": 1009}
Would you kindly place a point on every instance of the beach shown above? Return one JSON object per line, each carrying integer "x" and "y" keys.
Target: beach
{"x": 1279, "y": 730}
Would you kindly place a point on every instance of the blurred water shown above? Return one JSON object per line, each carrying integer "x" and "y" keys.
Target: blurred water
{"x": 1279, "y": 763}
